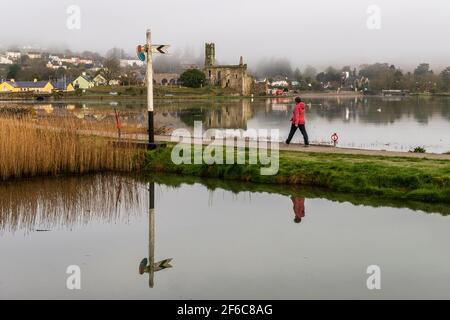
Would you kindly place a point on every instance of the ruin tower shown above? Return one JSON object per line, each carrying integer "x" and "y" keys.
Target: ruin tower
{"x": 210, "y": 54}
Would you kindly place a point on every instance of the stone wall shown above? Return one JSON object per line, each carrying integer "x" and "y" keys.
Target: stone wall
{"x": 165, "y": 78}
{"x": 227, "y": 76}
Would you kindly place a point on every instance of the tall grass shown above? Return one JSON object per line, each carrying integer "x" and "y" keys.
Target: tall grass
{"x": 29, "y": 147}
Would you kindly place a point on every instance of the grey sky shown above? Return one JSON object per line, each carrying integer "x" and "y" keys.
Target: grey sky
{"x": 319, "y": 32}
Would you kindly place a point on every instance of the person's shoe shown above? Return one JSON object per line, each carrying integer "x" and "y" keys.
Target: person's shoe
{"x": 306, "y": 145}
{"x": 287, "y": 142}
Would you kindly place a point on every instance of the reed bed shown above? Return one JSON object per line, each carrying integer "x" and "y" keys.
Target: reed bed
{"x": 31, "y": 147}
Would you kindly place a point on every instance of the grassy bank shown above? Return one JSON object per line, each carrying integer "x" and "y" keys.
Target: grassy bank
{"x": 139, "y": 93}
{"x": 298, "y": 192}
{"x": 392, "y": 178}
{"x": 29, "y": 148}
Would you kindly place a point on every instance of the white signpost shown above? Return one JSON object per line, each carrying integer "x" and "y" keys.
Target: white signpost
{"x": 150, "y": 49}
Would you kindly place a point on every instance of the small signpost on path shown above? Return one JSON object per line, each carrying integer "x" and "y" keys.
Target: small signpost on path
{"x": 146, "y": 53}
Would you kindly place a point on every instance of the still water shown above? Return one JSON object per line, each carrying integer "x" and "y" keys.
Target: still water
{"x": 226, "y": 241}
{"x": 398, "y": 124}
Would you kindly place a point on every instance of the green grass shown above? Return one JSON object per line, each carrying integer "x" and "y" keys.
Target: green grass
{"x": 159, "y": 92}
{"x": 297, "y": 191}
{"x": 394, "y": 178}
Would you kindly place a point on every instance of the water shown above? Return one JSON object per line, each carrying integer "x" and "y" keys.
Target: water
{"x": 397, "y": 124}
{"x": 226, "y": 241}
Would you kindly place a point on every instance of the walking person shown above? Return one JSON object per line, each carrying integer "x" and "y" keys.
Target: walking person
{"x": 298, "y": 121}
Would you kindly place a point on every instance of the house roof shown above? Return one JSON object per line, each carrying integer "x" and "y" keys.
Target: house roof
{"x": 100, "y": 77}
{"x": 61, "y": 84}
{"x": 86, "y": 77}
{"x": 28, "y": 84}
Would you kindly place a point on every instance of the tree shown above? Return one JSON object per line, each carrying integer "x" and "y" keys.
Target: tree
{"x": 310, "y": 72}
{"x": 298, "y": 75}
{"x": 274, "y": 68}
{"x": 445, "y": 79}
{"x": 116, "y": 53}
{"x": 193, "y": 78}
{"x": 111, "y": 68}
{"x": 423, "y": 69}
{"x": 13, "y": 71}
{"x": 426, "y": 80}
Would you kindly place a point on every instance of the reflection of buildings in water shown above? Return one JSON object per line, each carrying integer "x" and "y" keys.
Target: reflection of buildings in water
{"x": 230, "y": 116}
{"x": 48, "y": 108}
{"x": 168, "y": 119}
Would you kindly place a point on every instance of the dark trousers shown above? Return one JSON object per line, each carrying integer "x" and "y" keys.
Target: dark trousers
{"x": 302, "y": 129}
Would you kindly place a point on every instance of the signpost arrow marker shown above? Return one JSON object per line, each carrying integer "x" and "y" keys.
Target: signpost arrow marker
{"x": 160, "y": 48}
{"x": 165, "y": 264}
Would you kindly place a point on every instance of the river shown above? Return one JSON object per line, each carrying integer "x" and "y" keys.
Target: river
{"x": 396, "y": 124}
{"x": 230, "y": 241}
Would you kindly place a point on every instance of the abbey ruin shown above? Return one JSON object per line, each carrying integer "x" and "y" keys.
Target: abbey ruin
{"x": 226, "y": 76}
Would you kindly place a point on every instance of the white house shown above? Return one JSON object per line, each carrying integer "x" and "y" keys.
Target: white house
{"x": 99, "y": 80}
{"x": 13, "y": 55}
{"x": 34, "y": 55}
{"x": 5, "y": 60}
{"x": 131, "y": 63}
{"x": 281, "y": 83}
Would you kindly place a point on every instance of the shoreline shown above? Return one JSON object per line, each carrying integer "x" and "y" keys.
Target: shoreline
{"x": 94, "y": 97}
{"x": 399, "y": 178}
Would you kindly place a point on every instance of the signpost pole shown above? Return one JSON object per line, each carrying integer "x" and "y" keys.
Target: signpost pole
{"x": 151, "y": 240}
{"x": 151, "y": 128}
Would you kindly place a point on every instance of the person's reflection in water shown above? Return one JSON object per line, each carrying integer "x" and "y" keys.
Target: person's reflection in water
{"x": 299, "y": 209}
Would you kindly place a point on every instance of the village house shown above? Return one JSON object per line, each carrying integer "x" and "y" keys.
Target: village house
{"x": 26, "y": 86}
{"x": 13, "y": 55}
{"x": 100, "y": 80}
{"x": 114, "y": 82}
{"x": 131, "y": 63}
{"x": 55, "y": 65}
{"x": 83, "y": 82}
{"x": 5, "y": 60}
{"x": 61, "y": 85}
{"x": 34, "y": 55}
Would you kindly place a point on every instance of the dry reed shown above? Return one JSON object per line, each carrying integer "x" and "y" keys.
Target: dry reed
{"x": 29, "y": 147}
{"x": 73, "y": 201}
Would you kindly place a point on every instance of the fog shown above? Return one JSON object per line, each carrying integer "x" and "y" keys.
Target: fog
{"x": 319, "y": 33}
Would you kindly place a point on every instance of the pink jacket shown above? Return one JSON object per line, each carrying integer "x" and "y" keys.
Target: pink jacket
{"x": 299, "y": 114}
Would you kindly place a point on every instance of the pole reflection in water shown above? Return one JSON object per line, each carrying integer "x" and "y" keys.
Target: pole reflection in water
{"x": 148, "y": 265}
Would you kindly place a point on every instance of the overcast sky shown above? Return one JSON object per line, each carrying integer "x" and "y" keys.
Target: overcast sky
{"x": 319, "y": 32}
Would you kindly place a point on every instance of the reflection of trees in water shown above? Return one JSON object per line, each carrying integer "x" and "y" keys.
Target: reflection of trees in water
{"x": 379, "y": 110}
{"x": 67, "y": 202}
{"x": 236, "y": 113}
